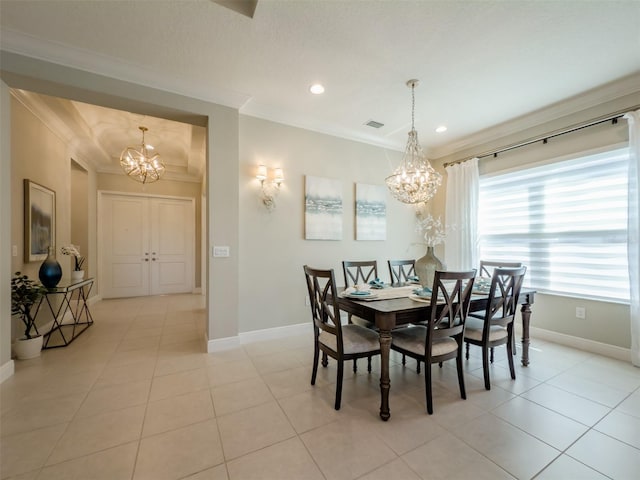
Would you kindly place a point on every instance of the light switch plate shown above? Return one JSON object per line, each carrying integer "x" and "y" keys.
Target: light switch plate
{"x": 220, "y": 251}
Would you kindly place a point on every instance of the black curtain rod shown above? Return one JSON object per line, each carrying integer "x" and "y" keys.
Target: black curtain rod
{"x": 612, "y": 117}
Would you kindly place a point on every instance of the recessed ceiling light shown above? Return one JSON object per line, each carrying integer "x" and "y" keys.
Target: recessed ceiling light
{"x": 441, "y": 129}
{"x": 316, "y": 89}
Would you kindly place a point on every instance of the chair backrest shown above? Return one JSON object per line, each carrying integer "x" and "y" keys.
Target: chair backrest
{"x": 359, "y": 272}
{"x": 503, "y": 297}
{"x": 323, "y": 299}
{"x": 401, "y": 270}
{"x": 450, "y": 297}
{"x": 487, "y": 266}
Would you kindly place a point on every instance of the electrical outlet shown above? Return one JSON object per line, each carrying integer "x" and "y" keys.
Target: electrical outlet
{"x": 581, "y": 312}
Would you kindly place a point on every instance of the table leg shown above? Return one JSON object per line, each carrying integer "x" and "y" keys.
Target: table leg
{"x": 526, "y": 318}
{"x": 385, "y": 383}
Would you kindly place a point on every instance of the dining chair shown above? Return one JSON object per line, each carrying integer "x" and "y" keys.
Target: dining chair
{"x": 358, "y": 272}
{"x": 487, "y": 267}
{"x": 496, "y": 326}
{"x": 442, "y": 337}
{"x": 400, "y": 271}
{"x": 340, "y": 342}
{"x": 486, "y": 270}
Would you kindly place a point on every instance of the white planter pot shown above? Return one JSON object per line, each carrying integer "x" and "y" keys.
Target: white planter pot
{"x": 25, "y": 348}
{"x": 77, "y": 275}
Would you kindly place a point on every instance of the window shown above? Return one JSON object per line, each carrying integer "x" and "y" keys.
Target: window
{"x": 567, "y": 221}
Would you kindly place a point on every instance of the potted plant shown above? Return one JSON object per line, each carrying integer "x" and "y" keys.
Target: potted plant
{"x": 25, "y": 293}
{"x": 78, "y": 260}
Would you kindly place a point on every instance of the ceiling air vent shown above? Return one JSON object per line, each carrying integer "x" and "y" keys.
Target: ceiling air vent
{"x": 374, "y": 124}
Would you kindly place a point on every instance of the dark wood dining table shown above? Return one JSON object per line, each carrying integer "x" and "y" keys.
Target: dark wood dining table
{"x": 389, "y": 313}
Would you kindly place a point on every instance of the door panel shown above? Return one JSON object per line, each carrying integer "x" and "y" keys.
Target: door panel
{"x": 126, "y": 240}
{"x": 172, "y": 240}
{"x": 148, "y": 245}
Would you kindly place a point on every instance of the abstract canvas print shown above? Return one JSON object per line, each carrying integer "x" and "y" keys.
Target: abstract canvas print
{"x": 371, "y": 212}
{"x": 39, "y": 220}
{"x": 322, "y": 208}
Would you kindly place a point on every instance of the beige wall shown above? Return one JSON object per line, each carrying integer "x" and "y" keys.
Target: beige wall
{"x": 605, "y": 322}
{"x": 260, "y": 285}
{"x": 6, "y": 365}
{"x": 80, "y": 211}
{"x": 120, "y": 183}
{"x": 272, "y": 245}
{"x": 40, "y": 156}
{"x": 222, "y": 166}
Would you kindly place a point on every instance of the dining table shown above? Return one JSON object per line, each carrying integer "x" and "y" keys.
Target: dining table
{"x": 397, "y": 305}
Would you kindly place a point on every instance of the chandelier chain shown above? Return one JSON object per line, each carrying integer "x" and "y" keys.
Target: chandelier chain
{"x": 413, "y": 105}
{"x": 415, "y": 180}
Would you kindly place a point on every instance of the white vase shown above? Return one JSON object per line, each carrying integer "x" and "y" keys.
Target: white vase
{"x": 25, "y": 348}
{"x": 77, "y": 275}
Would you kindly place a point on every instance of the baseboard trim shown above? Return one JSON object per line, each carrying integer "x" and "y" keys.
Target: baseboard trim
{"x": 219, "y": 344}
{"x": 613, "y": 351}
{"x": 275, "y": 333}
{"x": 7, "y": 370}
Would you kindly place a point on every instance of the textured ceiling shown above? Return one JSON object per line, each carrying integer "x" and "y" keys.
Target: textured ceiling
{"x": 481, "y": 63}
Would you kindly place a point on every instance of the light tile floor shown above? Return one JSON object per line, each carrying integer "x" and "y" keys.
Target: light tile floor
{"x": 136, "y": 397}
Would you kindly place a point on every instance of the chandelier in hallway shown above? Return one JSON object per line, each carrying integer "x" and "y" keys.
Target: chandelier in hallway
{"x": 140, "y": 163}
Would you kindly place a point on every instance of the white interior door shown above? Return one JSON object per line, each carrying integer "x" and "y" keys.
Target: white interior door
{"x": 147, "y": 245}
{"x": 172, "y": 246}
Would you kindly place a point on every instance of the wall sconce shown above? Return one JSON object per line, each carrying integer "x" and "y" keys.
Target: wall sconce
{"x": 270, "y": 188}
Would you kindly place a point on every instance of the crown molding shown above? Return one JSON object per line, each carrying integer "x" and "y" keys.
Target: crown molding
{"x": 80, "y": 145}
{"x": 592, "y": 98}
{"x": 100, "y": 64}
{"x": 264, "y": 112}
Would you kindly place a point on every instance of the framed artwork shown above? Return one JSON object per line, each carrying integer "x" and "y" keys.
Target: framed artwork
{"x": 39, "y": 220}
{"x": 322, "y": 209}
{"x": 371, "y": 212}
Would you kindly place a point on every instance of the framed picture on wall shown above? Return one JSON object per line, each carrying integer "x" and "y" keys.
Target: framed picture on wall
{"x": 39, "y": 221}
{"x": 323, "y": 208}
{"x": 371, "y": 212}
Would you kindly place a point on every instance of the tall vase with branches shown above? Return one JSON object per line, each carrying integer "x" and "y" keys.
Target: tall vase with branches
{"x": 433, "y": 232}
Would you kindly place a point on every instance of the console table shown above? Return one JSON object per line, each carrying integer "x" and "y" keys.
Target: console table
{"x": 73, "y": 297}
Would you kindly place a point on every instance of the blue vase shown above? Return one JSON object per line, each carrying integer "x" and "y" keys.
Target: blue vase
{"x": 50, "y": 271}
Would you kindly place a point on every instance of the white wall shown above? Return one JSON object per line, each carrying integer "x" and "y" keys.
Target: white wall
{"x": 272, "y": 245}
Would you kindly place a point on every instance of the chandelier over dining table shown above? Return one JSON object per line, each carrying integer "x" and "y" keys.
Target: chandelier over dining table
{"x": 415, "y": 180}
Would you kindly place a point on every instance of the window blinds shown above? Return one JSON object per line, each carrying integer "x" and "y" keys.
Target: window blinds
{"x": 567, "y": 221}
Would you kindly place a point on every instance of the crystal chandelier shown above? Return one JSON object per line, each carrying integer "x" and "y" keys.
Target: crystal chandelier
{"x": 140, "y": 164}
{"x": 415, "y": 180}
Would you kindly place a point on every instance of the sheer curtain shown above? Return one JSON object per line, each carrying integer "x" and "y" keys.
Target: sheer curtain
{"x": 633, "y": 242}
{"x": 461, "y": 245}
